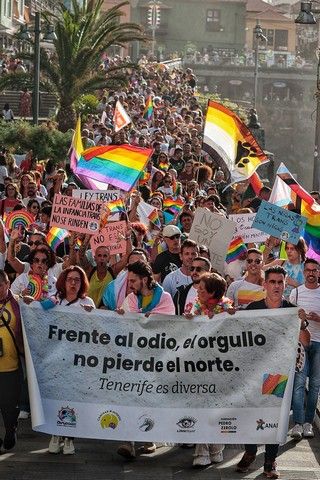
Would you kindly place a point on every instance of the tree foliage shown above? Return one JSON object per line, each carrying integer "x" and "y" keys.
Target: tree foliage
{"x": 84, "y": 34}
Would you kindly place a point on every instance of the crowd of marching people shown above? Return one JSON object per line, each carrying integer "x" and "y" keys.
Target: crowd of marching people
{"x": 162, "y": 270}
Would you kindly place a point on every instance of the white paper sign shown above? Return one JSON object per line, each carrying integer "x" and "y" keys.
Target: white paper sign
{"x": 244, "y": 228}
{"x": 215, "y": 231}
{"x": 97, "y": 195}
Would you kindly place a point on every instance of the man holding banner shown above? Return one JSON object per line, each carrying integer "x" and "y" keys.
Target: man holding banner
{"x": 274, "y": 284}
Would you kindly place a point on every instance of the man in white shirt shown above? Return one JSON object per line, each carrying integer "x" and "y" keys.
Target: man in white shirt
{"x": 181, "y": 276}
{"x": 249, "y": 288}
{"x": 307, "y": 297}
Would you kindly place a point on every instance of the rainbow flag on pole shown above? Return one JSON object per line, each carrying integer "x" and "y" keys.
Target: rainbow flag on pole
{"x": 148, "y": 111}
{"x": 235, "y": 249}
{"x": 173, "y": 204}
{"x": 116, "y": 206}
{"x": 55, "y": 237}
{"x": 120, "y": 165}
{"x": 154, "y": 218}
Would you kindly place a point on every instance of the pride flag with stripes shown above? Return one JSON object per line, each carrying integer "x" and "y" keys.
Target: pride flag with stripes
{"x": 148, "y": 111}
{"x": 119, "y": 165}
{"x": 173, "y": 204}
{"x": 235, "y": 250}
{"x": 55, "y": 237}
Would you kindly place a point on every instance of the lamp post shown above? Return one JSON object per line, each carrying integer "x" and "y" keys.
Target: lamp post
{"x": 306, "y": 17}
{"x": 49, "y": 36}
{"x": 154, "y": 20}
{"x": 259, "y": 36}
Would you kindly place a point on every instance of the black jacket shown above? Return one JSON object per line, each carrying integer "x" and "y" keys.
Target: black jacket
{"x": 180, "y": 298}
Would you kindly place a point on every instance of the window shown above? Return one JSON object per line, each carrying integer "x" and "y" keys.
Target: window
{"x": 213, "y": 20}
{"x": 281, "y": 40}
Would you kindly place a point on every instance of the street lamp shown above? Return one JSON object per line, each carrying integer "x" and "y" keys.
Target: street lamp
{"x": 49, "y": 36}
{"x": 154, "y": 19}
{"x": 306, "y": 17}
{"x": 259, "y": 36}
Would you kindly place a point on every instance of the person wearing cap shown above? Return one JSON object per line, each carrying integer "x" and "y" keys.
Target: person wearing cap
{"x": 169, "y": 260}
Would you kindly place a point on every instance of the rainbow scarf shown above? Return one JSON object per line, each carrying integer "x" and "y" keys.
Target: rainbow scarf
{"x": 148, "y": 111}
{"x": 235, "y": 249}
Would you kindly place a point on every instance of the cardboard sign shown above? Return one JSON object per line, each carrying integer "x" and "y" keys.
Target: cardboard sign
{"x": 279, "y": 223}
{"x": 111, "y": 236}
{"x": 97, "y": 195}
{"x": 75, "y": 214}
{"x": 244, "y": 228}
{"x": 215, "y": 231}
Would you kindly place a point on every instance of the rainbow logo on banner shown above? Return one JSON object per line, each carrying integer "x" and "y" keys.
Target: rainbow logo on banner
{"x": 274, "y": 384}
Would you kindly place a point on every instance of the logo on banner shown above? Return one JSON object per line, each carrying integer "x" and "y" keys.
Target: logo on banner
{"x": 67, "y": 417}
{"x": 228, "y": 425}
{"x": 109, "y": 419}
{"x": 186, "y": 424}
{"x": 145, "y": 423}
{"x": 262, "y": 425}
{"x": 93, "y": 226}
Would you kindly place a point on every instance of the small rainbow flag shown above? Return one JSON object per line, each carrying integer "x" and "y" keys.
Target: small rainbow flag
{"x": 163, "y": 165}
{"x": 56, "y": 236}
{"x": 235, "y": 249}
{"x": 148, "y": 111}
{"x": 173, "y": 204}
{"x": 145, "y": 177}
{"x": 154, "y": 218}
{"x": 116, "y": 206}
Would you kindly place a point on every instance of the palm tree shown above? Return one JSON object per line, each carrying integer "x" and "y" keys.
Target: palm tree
{"x": 83, "y": 33}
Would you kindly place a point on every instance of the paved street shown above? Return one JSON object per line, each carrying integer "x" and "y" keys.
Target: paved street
{"x": 96, "y": 460}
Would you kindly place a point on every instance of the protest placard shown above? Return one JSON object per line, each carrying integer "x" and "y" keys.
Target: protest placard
{"x": 75, "y": 214}
{"x": 215, "y": 231}
{"x": 102, "y": 375}
{"x": 244, "y": 228}
{"x": 97, "y": 195}
{"x": 111, "y": 236}
{"x": 279, "y": 222}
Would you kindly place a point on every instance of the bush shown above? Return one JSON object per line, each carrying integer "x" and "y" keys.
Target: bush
{"x": 86, "y": 104}
{"x": 21, "y": 136}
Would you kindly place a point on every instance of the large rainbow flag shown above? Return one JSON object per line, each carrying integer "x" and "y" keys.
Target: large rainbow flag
{"x": 119, "y": 165}
{"x": 227, "y": 138}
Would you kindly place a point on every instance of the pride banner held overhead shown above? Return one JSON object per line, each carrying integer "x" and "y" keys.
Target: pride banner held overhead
{"x": 162, "y": 378}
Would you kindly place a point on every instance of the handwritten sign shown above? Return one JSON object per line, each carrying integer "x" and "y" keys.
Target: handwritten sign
{"x": 111, "y": 236}
{"x": 97, "y": 195}
{"x": 244, "y": 228}
{"x": 75, "y": 214}
{"x": 279, "y": 223}
{"x": 215, "y": 231}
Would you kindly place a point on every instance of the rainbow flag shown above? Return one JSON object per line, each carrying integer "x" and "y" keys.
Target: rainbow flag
{"x": 148, "y": 111}
{"x": 120, "y": 165}
{"x": 154, "y": 218}
{"x": 235, "y": 249}
{"x": 144, "y": 178}
{"x": 55, "y": 237}
{"x": 173, "y": 204}
{"x": 116, "y": 206}
{"x": 226, "y": 135}
{"x": 163, "y": 165}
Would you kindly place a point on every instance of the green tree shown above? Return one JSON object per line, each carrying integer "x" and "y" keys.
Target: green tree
{"x": 84, "y": 33}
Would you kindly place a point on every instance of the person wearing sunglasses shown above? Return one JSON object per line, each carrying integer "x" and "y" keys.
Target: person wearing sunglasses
{"x": 186, "y": 294}
{"x": 250, "y": 287}
{"x": 169, "y": 260}
{"x": 39, "y": 260}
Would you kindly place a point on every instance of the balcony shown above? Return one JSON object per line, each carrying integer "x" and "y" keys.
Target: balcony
{"x": 42, "y": 5}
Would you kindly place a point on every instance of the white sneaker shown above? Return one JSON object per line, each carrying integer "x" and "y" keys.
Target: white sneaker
{"x": 68, "y": 447}
{"x": 55, "y": 444}
{"x": 23, "y": 415}
{"x": 308, "y": 430}
{"x": 297, "y": 431}
{"x": 201, "y": 461}
{"x": 216, "y": 457}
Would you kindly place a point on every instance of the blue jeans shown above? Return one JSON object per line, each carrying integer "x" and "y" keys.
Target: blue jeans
{"x": 311, "y": 370}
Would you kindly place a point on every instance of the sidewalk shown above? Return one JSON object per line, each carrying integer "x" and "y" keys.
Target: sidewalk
{"x": 96, "y": 460}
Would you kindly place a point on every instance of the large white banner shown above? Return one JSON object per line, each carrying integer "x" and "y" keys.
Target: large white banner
{"x": 162, "y": 378}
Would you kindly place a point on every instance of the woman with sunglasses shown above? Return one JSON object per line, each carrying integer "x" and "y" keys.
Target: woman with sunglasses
{"x": 33, "y": 207}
